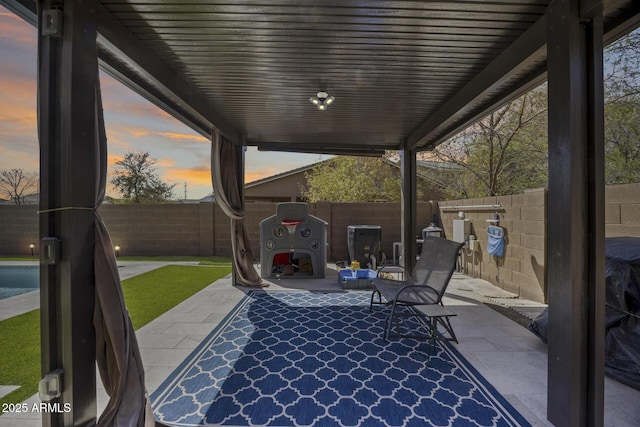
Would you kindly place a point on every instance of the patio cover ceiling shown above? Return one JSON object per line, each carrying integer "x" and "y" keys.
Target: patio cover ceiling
{"x": 405, "y": 74}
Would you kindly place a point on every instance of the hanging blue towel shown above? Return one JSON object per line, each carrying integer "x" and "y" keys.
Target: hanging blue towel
{"x": 495, "y": 245}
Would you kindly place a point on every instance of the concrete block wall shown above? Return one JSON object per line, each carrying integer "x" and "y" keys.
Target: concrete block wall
{"x": 523, "y": 216}
{"x": 203, "y": 230}
{"x": 522, "y": 270}
{"x": 386, "y": 215}
{"x": 622, "y": 210}
{"x": 18, "y": 229}
{"x": 255, "y": 213}
{"x": 148, "y": 230}
{"x": 206, "y": 229}
{"x": 529, "y": 278}
{"x": 339, "y": 216}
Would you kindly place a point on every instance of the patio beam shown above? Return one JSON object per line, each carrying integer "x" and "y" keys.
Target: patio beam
{"x": 622, "y": 24}
{"x": 334, "y": 149}
{"x": 408, "y": 207}
{"x": 67, "y": 75}
{"x": 590, "y": 9}
{"x": 575, "y": 245}
{"x": 25, "y": 9}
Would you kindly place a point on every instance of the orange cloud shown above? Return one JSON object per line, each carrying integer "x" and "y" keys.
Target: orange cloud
{"x": 197, "y": 176}
{"x": 118, "y": 98}
{"x": 115, "y": 139}
{"x": 28, "y": 160}
{"x": 22, "y": 88}
{"x": 18, "y": 115}
{"x": 17, "y": 28}
{"x": 256, "y": 175}
{"x": 112, "y": 159}
{"x": 163, "y": 114}
{"x": 183, "y": 136}
{"x": 202, "y": 175}
{"x": 165, "y": 163}
{"x": 139, "y": 132}
{"x": 18, "y": 102}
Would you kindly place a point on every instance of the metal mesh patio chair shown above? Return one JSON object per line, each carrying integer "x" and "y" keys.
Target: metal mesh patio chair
{"x": 425, "y": 287}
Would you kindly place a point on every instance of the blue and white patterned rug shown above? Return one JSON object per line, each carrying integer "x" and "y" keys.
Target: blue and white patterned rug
{"x": 300, "y": 358}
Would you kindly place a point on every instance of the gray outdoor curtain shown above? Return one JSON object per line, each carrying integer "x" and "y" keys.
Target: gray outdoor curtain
{"x": 117, "y": 352}
{"x": 224, "y": 173}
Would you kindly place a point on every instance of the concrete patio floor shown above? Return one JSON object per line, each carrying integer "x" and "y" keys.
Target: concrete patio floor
{"x": 510, "y": 357}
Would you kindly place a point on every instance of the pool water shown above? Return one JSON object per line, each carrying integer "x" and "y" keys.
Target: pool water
{"x": 16, "y": 280}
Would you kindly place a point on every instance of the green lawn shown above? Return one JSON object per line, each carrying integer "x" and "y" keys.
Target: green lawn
{"x": 200, "y": 259}
{"x": 151, "y": 294}
{"x": 19, "y": 258}
{"x": 221, "y": 261}
{"x": 147, "y": 296}
{"x": 20, "y": 355}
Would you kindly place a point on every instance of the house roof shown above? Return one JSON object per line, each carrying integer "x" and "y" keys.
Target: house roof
{"x": 392, "y": 161}
{"x": 284, "y": 174}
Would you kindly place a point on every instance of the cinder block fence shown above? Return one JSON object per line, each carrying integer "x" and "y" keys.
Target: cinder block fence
{"x": 203, "y": 230}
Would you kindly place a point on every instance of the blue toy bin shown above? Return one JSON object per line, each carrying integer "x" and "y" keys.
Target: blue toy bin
{"x": 356, "y": 279}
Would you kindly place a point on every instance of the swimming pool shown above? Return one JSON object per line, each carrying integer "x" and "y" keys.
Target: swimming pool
{"x": 18, "y": 279}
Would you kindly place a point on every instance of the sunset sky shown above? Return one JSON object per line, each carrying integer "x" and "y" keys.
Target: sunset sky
{"x": 133, "y": 123}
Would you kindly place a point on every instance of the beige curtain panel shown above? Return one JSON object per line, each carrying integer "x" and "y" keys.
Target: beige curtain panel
{"x": 228, "y": 195}
{"x": 117, "y": 353}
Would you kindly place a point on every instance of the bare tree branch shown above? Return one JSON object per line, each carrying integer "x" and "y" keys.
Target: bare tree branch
{"x": 506, "y": 151}
{"x": 16, "y": 184}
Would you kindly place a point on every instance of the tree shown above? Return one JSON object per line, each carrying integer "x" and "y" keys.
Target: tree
{"x": 622, "y": 142}
{"x": 352, "y": 179}
{"x": 504, "y": 153}
{"x": 137, "y": 181}
{"x": 507, "y": 151}
{"x": 622, "y": 69}
{"x": 622, "y": 110}
{"x": 16, "y": 184}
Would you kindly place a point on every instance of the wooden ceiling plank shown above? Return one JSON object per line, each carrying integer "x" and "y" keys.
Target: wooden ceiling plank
{"x": 184, "y": 94}
{"x": 528, "y": 49}
{"x": 398, "y": 25}
{"x": 373, "y": 7}
{"x": 258, "y": 62}
{"x": 361, "y": 33}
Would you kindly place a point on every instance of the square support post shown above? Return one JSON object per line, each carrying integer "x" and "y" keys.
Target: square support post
{"x": 67, "y": 76}
{"x": 408, "y": 206}
{"x": 575, "y": 228}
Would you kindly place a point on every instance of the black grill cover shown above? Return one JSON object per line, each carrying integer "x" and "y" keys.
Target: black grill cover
{"x": 622, "y": 321}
